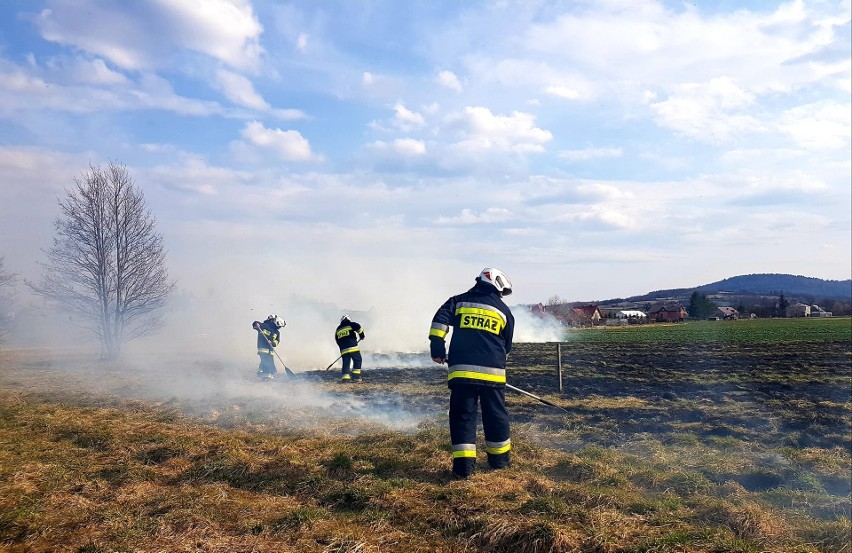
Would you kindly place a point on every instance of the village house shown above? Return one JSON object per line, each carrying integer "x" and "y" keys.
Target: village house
{"x": 727, "y": 313}
{"x": 631, "y": 314}
{"x": 798, "y": 310}
{"x": 663, "y": 312}
{"x": 585, "y": 315}
{"x": 817, "y": 311}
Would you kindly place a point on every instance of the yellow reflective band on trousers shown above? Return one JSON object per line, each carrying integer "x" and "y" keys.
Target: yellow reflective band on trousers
{"x": 464, "y": 450}
{"x": 349, "y": 350}
{"x": 264, "y": 351}
{"x": 476, "y": 372}
{"x": 496, "y": 448}
{"x": 439, "y": 330}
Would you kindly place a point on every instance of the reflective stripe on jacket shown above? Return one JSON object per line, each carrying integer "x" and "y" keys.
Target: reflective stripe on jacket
{"x": 270, "y": 332}
{"x": 483, "y": 327}
{"x": 347, "y": 335}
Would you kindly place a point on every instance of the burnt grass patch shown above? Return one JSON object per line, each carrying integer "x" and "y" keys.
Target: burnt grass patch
{"x": 770, "y": 393}
{"x": 683, "y": 447}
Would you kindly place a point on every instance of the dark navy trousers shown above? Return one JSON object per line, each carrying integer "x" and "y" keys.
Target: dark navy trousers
{"x": 464, "y": 400}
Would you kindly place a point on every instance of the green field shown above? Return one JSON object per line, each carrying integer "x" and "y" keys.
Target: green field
{"x": 748, "y": 330}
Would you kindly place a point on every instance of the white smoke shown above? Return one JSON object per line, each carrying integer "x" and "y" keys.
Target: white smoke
{"x": 532, "y": 327}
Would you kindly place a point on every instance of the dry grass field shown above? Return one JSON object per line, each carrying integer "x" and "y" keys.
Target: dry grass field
{"x": 704, "y": 445}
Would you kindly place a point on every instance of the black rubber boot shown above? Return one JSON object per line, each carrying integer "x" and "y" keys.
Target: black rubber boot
{"x": 463, "y": 467}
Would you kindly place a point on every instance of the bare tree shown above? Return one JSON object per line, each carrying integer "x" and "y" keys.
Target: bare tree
{"x": 559, "y": 308}
{"x": 7, "y": 280}
{"x": 107, "y": 262}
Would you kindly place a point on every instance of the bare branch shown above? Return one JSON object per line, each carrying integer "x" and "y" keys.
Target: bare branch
{"x": 107, "y": 262}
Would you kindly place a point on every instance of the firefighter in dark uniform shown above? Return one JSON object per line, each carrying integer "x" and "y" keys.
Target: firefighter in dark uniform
{"x": 347, "y": 336}
{"x": 482, "y": 337}
{"x": 268, "y": 337}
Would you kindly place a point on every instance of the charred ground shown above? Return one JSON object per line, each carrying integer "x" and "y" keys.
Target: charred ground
{"x": 669, "y": 445}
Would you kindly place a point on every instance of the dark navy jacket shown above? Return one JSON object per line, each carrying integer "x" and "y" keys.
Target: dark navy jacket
{"x": 271, "y": 332}
{"x": 482, "y": 336}
{"x": 347, "y": 335}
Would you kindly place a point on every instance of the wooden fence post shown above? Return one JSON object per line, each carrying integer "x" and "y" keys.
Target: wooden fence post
{"x": 559, "y": 363}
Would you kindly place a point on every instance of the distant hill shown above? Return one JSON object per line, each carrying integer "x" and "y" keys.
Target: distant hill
{"x": 768, "y": 284}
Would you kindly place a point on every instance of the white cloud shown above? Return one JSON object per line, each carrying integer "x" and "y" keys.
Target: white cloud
{"x": 22, "y": 90}
{"x": 148, "y": 35}
{"x": 449, "y": 80}
{"x": 240, "y": 90}
{"x": 88, "y": 71}
{"x": 288, "y": 145}
{"x": 563, "y": 92}
{"x": 16, "y": 80}
{"x": 759, "y": 51}
{"x": 799, "y": 181}
{"x": 288, "y": 114}
{"x": 530, "y": 73}
{"x": 155, "y": 148}
{"x": 194, "y": 176}
{"x": 590, "y": 153}
{"x": 822, "y": 125}
{"x": 713, "y": 111}
{"x": 408, "y": 147}
{"x": 607, "y": 217}
{"x": 302, "y": 42}
{"x": 470, "y": 217}
{"x": 485, "y": 130}
{"x": 405, "y": 119}
{"x": 367, "y": 78}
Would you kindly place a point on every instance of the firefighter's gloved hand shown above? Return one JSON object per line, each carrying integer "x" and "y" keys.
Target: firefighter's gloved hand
{"x": 256, "y": 326}
{"x": 438, "y": 352}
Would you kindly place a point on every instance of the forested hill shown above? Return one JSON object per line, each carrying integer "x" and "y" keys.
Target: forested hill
{"x": 772, "y": 284}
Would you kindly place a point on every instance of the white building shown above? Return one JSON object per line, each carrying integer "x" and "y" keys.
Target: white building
{"x": 630, "y": 314}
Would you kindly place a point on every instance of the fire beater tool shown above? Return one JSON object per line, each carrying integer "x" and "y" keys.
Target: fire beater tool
{"x": 333, "y": 362}
{"x": 526, "y": 393}
{"x": 535, "y": 397}
{"x": 289, "y": 372}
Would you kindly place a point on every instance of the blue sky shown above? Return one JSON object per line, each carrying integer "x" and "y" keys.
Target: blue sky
{"x": 381, "y": 153}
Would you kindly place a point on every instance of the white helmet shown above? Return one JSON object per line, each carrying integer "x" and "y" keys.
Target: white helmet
{"x": 496, "y": 278}
{"x": 279, "y": 322}
{"x": 345, "y": 317}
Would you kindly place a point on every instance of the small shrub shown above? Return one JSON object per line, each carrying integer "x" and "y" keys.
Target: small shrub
{"x": 303, "y": 516}
{"x": 349, "y": 498}
{"x": 536, "y": 537}
{"x": 340, "y": 465}
{"x": 686, "y": 484}
{"x": 547, "y": 505}
{"x": 157, "y": 455}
